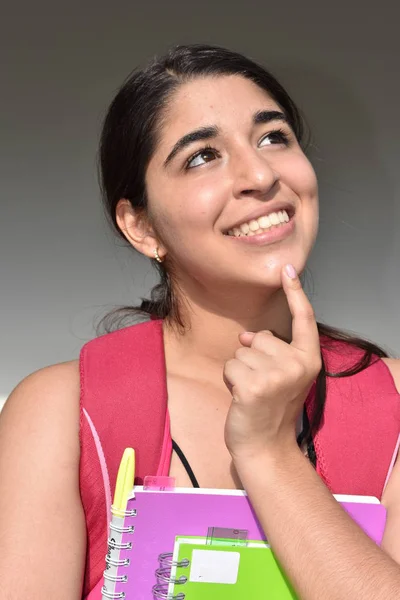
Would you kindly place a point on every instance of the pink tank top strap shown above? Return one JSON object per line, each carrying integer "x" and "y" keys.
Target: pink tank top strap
{"x": 123, "y": 404}
{"x": 357, "y": 441}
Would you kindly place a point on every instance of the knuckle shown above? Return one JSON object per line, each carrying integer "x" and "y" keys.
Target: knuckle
{"x": 256, "y": 387}
{"x": 261, "y": 338}
{"x": 240, "y": 353}
{"x": 228, "y": 366}
{"x": 277, "y": 378}
{"x": 265, "y": 334}
{"x": 236, "y": 397}
{"x": 299, "y": 371}
{"x": 295, "y": 371}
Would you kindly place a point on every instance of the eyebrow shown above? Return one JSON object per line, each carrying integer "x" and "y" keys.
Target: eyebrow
{"x": 266, "y": 116}
{"x": 204, "y": 133}
{"x": 207, "y": 133}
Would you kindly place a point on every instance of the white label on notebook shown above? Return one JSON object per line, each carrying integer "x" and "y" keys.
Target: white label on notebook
{"x": 214, "y": 566}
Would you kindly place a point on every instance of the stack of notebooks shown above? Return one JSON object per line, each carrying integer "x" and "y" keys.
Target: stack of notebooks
{"x": 195, "y": 544}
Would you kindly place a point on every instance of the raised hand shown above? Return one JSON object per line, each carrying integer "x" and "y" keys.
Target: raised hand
{"x": 269, "y": 380}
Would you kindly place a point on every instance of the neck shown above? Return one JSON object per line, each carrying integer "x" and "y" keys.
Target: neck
{"x": 211, "y": 330}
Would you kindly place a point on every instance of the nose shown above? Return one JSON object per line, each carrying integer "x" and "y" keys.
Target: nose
{"x": 252, "y": 174}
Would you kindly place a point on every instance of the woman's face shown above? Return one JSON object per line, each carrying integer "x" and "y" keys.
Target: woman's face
{"x": 225, "y": 167}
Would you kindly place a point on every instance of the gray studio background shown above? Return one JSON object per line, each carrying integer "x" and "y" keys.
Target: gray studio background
{"x": 61, "y": 63}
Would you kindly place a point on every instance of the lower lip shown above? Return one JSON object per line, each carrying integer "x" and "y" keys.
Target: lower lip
{"x": 267, "y": 237}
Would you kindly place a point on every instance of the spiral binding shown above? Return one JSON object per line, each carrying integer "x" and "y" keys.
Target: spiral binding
{"x": 164, "y": 578}
{"x": 116, "y": 578}
{"x": 112, "y": 596}
{"x": 119, "y": 529}
{"x": 166, "y": 560}
{"x": 160, "y": 592}
{"x": 163, "y": 575}
{"x": 111, "y": 562}
{"x": 125, "y": 562}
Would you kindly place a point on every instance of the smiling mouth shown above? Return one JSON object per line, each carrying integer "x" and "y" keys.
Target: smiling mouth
{"x": 265, "y": 223}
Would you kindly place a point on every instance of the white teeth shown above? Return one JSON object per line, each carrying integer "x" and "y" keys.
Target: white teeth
{"x": 254, "y": 226}
{"x": 274, "y": 218}
{"x": 263, "y": 223}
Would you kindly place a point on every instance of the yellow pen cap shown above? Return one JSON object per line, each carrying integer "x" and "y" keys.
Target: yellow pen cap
{"x": 125, "y": 480}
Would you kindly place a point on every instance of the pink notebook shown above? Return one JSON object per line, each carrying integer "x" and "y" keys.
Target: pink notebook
{"x": 158, "y": 517}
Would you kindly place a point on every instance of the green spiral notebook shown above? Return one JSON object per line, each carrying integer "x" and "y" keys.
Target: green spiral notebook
{"x": 223, "y": 571}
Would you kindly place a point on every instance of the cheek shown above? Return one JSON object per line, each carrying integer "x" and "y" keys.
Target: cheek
{"x": 182, "y": 213}
{"x": 188, "y": 205}
{"x": 202, "y": 198}
{"x": 299, "y": 174}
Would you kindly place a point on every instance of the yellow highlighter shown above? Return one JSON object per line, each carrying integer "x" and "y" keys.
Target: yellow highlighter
{"x": 124, "y": 485}
{"x": 123, "y": 488}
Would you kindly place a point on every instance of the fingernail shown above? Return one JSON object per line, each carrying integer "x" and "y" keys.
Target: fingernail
{"x": 291, "y": 271}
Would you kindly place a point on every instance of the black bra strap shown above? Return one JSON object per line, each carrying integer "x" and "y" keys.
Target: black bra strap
{"x": 310, "y": 450}
{"x": 185, "y": 463}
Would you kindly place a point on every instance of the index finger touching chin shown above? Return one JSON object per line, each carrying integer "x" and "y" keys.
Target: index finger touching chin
{"x": 305, "y": 334}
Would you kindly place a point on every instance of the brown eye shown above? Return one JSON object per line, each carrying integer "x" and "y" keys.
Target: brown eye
{"x": 275, "y": 137}
{"x": 203, "y": 156}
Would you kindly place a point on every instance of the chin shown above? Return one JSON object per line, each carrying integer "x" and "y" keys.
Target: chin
{"x": 273, "y": 268}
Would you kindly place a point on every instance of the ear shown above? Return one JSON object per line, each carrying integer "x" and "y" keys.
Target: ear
{"x": 137, "y": 229}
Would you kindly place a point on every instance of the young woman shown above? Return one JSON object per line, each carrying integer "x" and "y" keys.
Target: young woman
{"x": 204, "y": 171}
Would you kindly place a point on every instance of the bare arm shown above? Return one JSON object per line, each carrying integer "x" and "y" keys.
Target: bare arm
{"x": 42, "y": 525}
{"x": 333, "y": 558}
{"x": 325, "y": 554}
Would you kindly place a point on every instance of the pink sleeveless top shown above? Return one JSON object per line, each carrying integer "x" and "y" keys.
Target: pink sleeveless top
{"x": 124, "y": 403}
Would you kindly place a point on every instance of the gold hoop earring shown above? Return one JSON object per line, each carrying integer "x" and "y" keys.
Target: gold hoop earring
{"x": 156, "y": 256}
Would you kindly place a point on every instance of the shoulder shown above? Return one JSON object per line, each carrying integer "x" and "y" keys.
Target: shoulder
{"x": 393, "y": 365}
{"x": 49, "y": 396}
{"x": 48, "y": 380}
{"x": 39, "y": 423}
